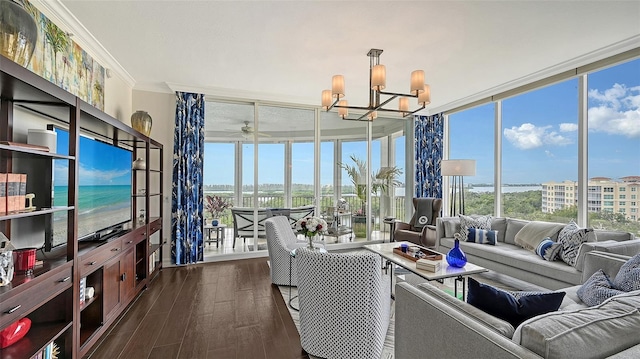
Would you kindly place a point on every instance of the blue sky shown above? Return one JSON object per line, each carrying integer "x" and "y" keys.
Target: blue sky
{"x": 539, "y": 135}
{"x": 539, "y": 130}
{"x": 100, "y": 163}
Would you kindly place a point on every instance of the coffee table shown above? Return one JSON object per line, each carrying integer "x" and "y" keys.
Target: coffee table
{"x": 385, "y": 250}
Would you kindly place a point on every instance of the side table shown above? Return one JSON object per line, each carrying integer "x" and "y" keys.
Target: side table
{"x": 391, "y": 221}
{"x": 219, "y": 230}
{"x": 292, "y": 255}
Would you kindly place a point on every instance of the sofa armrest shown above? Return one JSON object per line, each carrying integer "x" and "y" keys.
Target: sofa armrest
{"x": 626, "y": 248}
{"x": 608, "y": 262}
{"x": 427, "y": 325}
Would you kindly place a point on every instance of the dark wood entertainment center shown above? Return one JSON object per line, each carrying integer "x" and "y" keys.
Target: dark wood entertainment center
{"x": 118, "y": 268}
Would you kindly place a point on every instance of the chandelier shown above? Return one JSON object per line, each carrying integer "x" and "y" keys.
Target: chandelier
{"x": 377, "y": 83}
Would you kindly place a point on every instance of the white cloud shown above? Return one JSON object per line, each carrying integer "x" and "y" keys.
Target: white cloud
{"x": 528, "y": 136}
{"x": 617, "y": 111}
{"x": 549, "y": 153}
{"x": 568, "y": 127}
{"x": 91, "y": 175}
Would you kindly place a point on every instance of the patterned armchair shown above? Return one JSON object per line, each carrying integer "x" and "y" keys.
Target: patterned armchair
{"x": 281, "y": 240}
{"x": 424, "y": 234}
{"x": 345, "y": 303}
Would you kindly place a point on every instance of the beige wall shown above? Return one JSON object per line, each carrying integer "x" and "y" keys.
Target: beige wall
{"x": 162, "y": 108}
{"x": 117, "y": 99}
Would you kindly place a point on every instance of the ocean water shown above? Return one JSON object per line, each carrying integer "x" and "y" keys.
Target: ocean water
{"x": 96, "y": 198}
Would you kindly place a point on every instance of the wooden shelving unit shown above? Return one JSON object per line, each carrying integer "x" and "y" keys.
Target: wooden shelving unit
{"x": 118, "y": 268}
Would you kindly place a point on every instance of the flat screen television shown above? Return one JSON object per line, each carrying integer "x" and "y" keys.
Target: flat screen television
{"x": 104, "y": 188}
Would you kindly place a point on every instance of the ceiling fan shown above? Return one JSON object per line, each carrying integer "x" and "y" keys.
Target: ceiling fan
{"x": 247, "y": 131}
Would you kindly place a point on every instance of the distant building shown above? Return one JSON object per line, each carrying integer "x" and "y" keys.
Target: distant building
{"x": 604, "y": 195}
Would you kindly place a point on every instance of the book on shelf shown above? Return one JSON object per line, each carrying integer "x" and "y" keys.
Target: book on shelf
{"x": 13, "y": 192}
{"x": 22, "y": 192}
{"x": 428, "y": 265}
{"x": 3, "y": 193}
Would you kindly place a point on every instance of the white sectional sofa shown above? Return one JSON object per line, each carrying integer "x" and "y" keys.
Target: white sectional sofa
{"x": 433, "y": 324}
{"x": 508, "y": 258}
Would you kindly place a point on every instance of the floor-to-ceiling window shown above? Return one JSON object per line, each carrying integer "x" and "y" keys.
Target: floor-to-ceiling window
{"x": 472, "y": 137}
{"x": 540, "y": 153}
{"x": 614, "y": 147}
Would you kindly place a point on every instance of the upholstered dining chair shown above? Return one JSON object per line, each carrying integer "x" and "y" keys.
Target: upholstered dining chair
{"x": 281, "y": 240}
{"x": 345, "y": 303}
{"x": 421, "y": 229}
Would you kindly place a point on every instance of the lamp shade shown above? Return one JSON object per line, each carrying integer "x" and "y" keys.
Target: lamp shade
{"x": 378, "y": 77}
{"x": 425, "y": 97}
{"x": 337, "y": 86}
{"x": 373, "y": 115}
{"x": 326, "y": 99}
{"x": 458, "y": 167}
{"x": 403, "y": 104}
{"x": 343, "y": 112}
{"x": 417, "y": 82}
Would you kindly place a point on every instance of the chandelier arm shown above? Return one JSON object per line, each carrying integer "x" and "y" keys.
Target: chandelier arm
{"x": 334, "y": 104}
{"x": 411, "y": 113}
{"x": 397, "y": 94}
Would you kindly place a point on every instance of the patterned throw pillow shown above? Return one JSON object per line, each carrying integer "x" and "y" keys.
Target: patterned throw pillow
{"x": 571, "y": 238}
{"x": 466, "y": 222}
{"x": 482, "y": 236}
{"x": 628, "y": 278}
{"x": 597, "y": 289}
{"x": 541, "y": 249}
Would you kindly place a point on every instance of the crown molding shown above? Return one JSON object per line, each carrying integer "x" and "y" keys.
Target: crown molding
{"x": 572, "y": 64}
{"x": 63, "y": 18}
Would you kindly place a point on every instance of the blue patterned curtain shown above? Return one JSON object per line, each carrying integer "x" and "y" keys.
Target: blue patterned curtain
{"x": 186, "y": 204}
{"x": 429, "y": 131}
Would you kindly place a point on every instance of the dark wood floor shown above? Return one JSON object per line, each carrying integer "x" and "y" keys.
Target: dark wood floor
{"x": 214, "y": 310}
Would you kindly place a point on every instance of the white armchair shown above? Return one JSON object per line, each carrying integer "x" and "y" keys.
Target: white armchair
{"x": 281, "y": 240}
{"x": 345, "y": 304}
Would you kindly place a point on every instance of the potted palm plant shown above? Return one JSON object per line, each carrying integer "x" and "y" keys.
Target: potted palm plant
{"x": 381, "y": 180}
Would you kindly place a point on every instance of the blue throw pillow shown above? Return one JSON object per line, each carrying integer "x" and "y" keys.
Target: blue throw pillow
{"x": 482, "y": 236}
{"x": 597, "y": 289}
{"x": 506, "y": 306}
{"x": 543, "y": 246}
{"x": 628, "y": 277}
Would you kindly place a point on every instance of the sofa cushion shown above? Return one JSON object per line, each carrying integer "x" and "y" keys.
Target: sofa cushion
{"x": 535, "y": 232}
{"x": 466, "y": 222}
{"x": 499, "y": 224}
{"x": 513, "y": 308}
{"x": 513, "y": 227}
{"x": 594, "y": 332}
{"x": 628, "y": 277}
{"x": 571, "y": 238}
{"x": 597, "y": 289}
{"x": 451, "y": 226}
{"x": 520, "y": 259}
{"x": 482, "y": 236}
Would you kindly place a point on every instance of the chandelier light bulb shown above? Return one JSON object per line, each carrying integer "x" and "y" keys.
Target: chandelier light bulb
{"x": 373, "y": 115}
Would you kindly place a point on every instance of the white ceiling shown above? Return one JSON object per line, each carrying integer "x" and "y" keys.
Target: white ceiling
{"x": 288, "y": 50}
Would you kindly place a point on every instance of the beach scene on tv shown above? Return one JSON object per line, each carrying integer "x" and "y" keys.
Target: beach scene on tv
{"x": 104, "y": 188}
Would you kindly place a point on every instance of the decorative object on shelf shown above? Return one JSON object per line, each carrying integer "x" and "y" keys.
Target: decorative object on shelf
{"x": 457, "y": 169}
{"x": 6, "y": 260}
{"x": 216, "y": 206}
{"x": 139, "y": 164}
{"x": 311, "y": 227}
{"x": 88, "y": 293}
{"x": 456, "y": 257}
{"x": 24, "y": 260}
{"x": 14, "y": 332}
{"x": 45, "y": 138}
{"x": 141, "y": 121}
{"x": 18, "y": 32}
{"x": 215, "y": 222}
{"x": 29, "y": 197}
{"x": 378, "y": 82}
{"x": 141, "y": 216}
{"x": 343, "y": 205}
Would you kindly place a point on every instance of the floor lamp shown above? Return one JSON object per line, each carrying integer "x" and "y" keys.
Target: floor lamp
{"x": 457, "y": 169}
